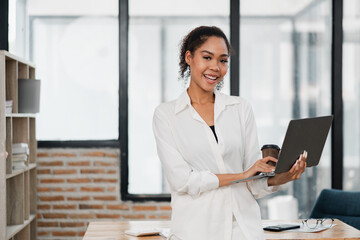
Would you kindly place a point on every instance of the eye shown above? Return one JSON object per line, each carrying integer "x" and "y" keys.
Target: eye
{"x": 207, "y": 57}
{"x": 224, "y": 61}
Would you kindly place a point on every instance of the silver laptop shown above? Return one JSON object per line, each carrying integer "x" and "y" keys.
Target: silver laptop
{"x": 308, "y": 134}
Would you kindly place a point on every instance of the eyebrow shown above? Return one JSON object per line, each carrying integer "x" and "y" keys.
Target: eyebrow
{"x": 222, "y": 55}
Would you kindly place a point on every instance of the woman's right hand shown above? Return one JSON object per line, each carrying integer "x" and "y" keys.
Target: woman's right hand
{"x": 260, "y": 166}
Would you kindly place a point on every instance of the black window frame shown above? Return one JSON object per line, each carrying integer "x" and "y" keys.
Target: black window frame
{"x": 336, "y": 90}
{"x": 4, "y": 25}
{"x": 122, "y": 142}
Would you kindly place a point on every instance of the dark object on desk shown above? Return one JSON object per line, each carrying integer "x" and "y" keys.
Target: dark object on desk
{"x": 281, "y": 227}
{"x": 343, "y": 205}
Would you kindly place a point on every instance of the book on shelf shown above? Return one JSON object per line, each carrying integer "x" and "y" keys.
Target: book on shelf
{"x": 18, "y": 165}
{"x": 19, "y": 148}
{"x": 19, "y": 161}
{"x": 20, "y": 157}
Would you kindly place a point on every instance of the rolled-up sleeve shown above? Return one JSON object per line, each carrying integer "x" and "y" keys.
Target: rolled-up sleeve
{"x": 259, "y": 187}
{"x": 180, "y": 175}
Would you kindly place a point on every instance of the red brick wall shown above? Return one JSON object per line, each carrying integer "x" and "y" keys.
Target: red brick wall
{"x": 77, "y": 186}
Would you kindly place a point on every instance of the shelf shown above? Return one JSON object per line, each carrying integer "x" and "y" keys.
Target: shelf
{"x": 21, "y": 115}
{"x": 16, "y": 58}
{"x": 31, "y": 166}
{"x": 18, "y": 197}
{"x": 17, "y": 172}
{"x": 14, "y": 229}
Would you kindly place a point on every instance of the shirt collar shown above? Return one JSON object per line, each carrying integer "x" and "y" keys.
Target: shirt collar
{"x": 221, "y": 101}
{"x": 182, "y": 102}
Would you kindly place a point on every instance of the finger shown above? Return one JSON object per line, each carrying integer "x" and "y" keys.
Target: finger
{"x": 269, "y": 158}
{"x": 304, "y": 156}
{"x": 304, "y": 168}
{"x": 263, "y": 167}
{"x": 298, "y": 165}
{"x": 301, "y": 164}
{"x": 301, "y": 170}
{"x": 293, "y": 168}
{"x": 266, "y": 167}
{"x": 301, "y": 160}
{"x": 260, "y": 166}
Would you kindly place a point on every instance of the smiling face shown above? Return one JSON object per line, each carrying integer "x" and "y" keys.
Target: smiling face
{"x": 208, "y": 64}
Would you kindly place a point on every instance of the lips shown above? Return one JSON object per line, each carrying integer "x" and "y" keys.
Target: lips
{"x": 211, "y": 78}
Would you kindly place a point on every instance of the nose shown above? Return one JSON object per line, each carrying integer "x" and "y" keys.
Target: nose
{"x": 215, "y": 66}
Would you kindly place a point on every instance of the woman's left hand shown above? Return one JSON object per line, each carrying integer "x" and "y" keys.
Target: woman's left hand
{"x": 293, "y": 174}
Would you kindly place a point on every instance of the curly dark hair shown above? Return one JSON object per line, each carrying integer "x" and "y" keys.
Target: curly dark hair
{"x": 195, "y": 39}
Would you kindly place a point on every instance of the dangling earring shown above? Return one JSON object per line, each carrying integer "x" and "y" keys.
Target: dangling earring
{"x": 220, "y": 85}
{"x": 185, "y": 79}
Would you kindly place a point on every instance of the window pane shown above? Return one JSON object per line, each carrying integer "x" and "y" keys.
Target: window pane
{"x": 285, "y": 74}
{"x": 154, "y": 37}
{"x": 17, "y": 27}
{"x": 351, "y": 93}
{"x": 76, "y": 52}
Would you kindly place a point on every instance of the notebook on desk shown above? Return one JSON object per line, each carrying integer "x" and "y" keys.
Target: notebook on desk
{"x": 308, "y": 134}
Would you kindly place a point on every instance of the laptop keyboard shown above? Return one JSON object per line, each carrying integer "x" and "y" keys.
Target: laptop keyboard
{"x": 267, "y": 174}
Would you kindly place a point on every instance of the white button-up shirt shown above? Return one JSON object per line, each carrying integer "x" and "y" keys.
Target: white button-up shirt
{"x": 191, "y": 157}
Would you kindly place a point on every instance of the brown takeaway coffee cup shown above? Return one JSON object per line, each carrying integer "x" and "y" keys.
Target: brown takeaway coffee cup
{"x": 271, "y": 150}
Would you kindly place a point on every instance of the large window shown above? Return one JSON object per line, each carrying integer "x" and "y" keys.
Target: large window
{"x": 76, "y": 52}
{"x": 154, "y": 37}
{"x": 285, "y": 72}
{"x": 351, "y": 94}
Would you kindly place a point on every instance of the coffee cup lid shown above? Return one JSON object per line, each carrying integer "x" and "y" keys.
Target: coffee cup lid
{"x": 270, "y": 146}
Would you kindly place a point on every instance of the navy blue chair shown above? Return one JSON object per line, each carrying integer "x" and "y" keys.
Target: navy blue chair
{"x": 343, "y": 205}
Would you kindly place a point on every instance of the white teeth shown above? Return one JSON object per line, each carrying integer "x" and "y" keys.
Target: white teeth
{"x": 212, "y": 78}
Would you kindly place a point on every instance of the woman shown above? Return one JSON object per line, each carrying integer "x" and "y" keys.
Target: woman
{"x": 206, "y": 140}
